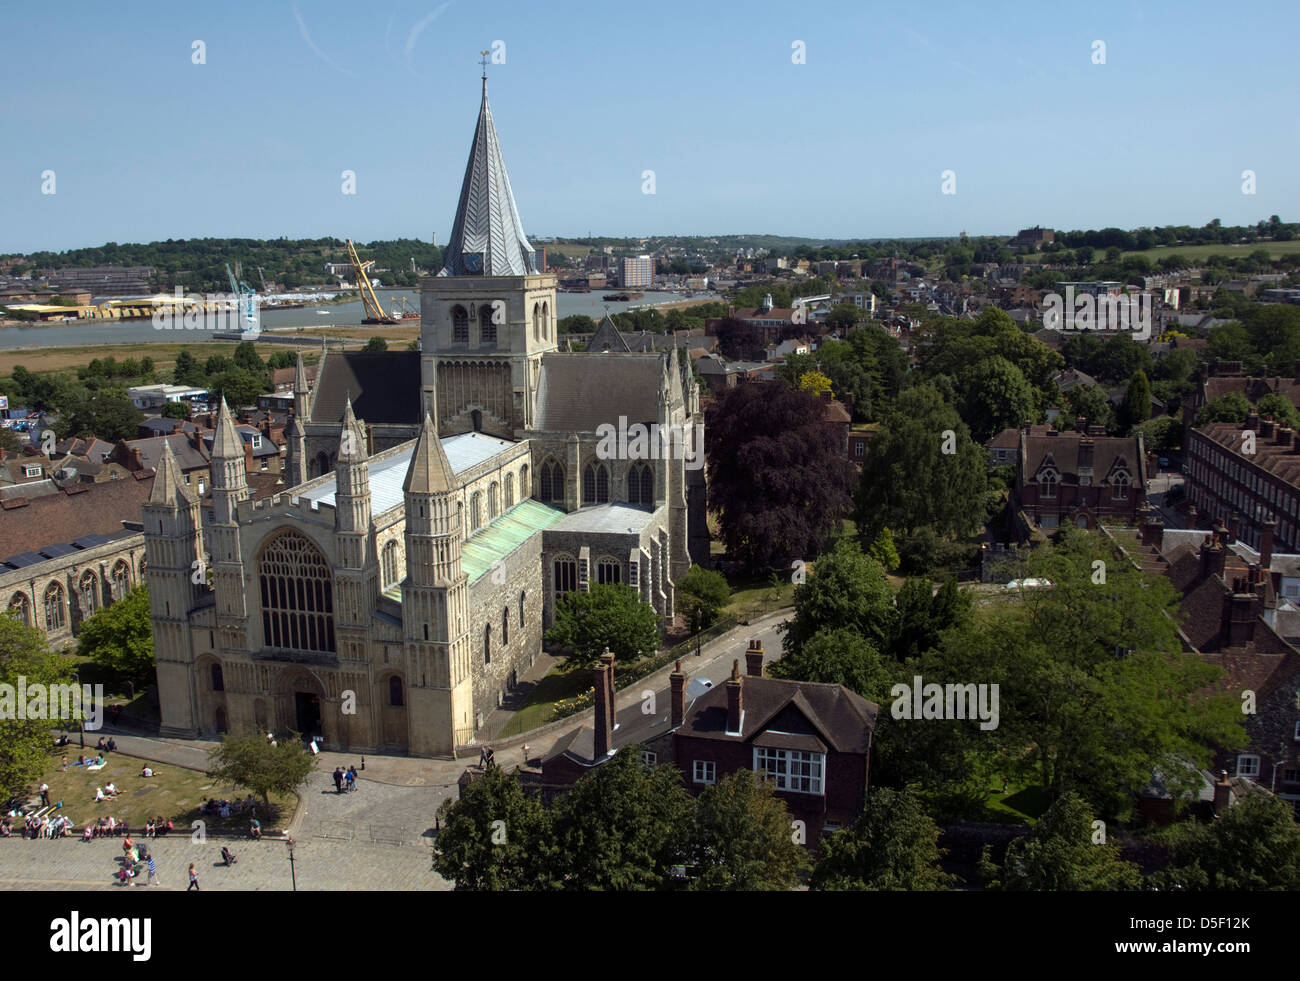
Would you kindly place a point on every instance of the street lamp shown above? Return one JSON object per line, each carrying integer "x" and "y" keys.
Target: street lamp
{"x": 292, "y": 873}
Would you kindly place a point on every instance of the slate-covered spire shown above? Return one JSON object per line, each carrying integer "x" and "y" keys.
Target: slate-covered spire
{"x": 168, "y": 488}
{"x": 351, "y": 447}
{"x": 430, "y": 471}
{"x": 226, "y": 443}
{"x": 487, "y": 237}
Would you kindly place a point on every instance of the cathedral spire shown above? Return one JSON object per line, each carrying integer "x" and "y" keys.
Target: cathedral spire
{"x": 168, "y": 488}
{"x": 430, "y": 471}
{"x": 352, "y": 438}
{"x": 487, "y": 236}
{"x": 226, "y": 444}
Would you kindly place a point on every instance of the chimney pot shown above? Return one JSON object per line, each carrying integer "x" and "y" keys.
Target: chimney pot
{"x": 677, "y": 697}
{"x": 735, "y": 704}
{"x": 754, "y": 659}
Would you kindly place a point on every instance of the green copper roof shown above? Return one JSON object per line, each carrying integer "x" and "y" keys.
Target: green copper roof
{"x": 497, "y": 540}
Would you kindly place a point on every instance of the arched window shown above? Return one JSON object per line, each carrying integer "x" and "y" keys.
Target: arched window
{"x": 510, "y": 491}
{"x": 395, "y": 693}
{"x": 522, "y": 597}
{"x": 640, "y": 484}
{"x": 1048, "y": 484}
{"x": 546, "y": 321}
{"x": 505, "y": 625}
{"x": 297, "y": 595}
{"x": 566, "y": 576}
{"x": 552, "y": 482}
{"x": 218, "y": 679}
{"x": 487, "y": 644}
{"x": 21, "y": 608}
{"x": 609, "y": 571}
{"x": 595, "y": 484}
{"x": 492, "y": 501}
{"x": 486, "y": 324}
{"x": 390, "y": 564}
{"x": 537, "y": 321}
{"x": 476, "y": 511}
{"x": 322, "y": 466}
{"x": 459, "y": 325}
{"x": 1121, "y": 486}
{"x": 121, "y": 580}
{"x": 525, "y": 488}
{"x": 55, "y": 615}
{"x": 87, "y": 588}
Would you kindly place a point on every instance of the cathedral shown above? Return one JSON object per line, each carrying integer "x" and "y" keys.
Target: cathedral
{"x": 440, "y": 501}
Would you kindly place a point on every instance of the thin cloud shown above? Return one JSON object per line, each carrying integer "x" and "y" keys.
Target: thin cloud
{"x": 302, "y": 30}
{"x": 417, "y": 30}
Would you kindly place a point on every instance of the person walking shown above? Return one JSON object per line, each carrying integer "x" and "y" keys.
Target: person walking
{"x": 194, "y": 879}
{"x": 351, "y": 778}
{"x": 338, "y": 780}
{"x": 45, "y": 795}
{"x": 153, "y": 874}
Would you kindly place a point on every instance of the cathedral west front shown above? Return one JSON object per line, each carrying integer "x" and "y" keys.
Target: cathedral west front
{"x": 440, "y": 501}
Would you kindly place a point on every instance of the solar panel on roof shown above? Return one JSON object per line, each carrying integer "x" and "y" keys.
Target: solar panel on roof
{"x": 23, "y": 559}
{"x": 57, "y": 550}
{"x": 90, "y": 541}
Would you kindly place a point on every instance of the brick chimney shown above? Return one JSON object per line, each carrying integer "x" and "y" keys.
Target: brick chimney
{"x": 735, "y": 704}
{"x": 1081, "y": 424}
{"x": 754, "y": 659}
{"x": 603, "y": 739}
{"x": 1266, "y": 427}
{"x": 1252, "y": 421}
{"x": 1222, "y": 792}
{"x": 607, "y": 659}
{"x": 677, "y": 696}
{"x": 1212, "y": 556}
{"x": 1266, "y": 544}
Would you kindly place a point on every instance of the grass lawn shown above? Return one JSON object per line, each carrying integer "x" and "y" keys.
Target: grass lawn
{"x": 564, "y": 681}
{"x": 174, "y": 792}
{"x": 1020, "y": 804}
{"x": 1199, "y": 253}
{"x": 752, "y": 596}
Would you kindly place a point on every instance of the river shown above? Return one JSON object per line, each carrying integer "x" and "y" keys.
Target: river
{"x": 340, "y": 315}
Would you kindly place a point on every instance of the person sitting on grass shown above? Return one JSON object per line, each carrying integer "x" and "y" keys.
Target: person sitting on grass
{"x": 111, "y": 790}
{"x": 99, "y": 794}
{"x": 112, "y": 745}
{"x": 147, "y": 771}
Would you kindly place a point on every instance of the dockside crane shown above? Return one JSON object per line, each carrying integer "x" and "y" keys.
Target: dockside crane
{"x": 374, "y": 312}
{"x": 246, "y": 297}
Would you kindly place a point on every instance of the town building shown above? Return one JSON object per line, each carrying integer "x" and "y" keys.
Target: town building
{"x": 1084, "y": 478}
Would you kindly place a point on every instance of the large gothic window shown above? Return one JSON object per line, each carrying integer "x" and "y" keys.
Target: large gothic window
{"x": 492, "y": 502}
{"x": 546, "y": 321}
{"x": 595, "y": 484}
{"x": 487, "y": 325}
{"x": 55, "y": 614}
{"x": 21, "y": 608}
{"x": 1121, "y": 486}
{"x": 537, "y": 321}
{"x": 1048, "y": 483}
{"x": 525, "y": 489}
{"x": 475, "y": 511}
{"x": 510, "y": 491}
{"x": 121, "y": 580}
{"x": 390, "y": 564}
{"x": 297, "y": 595}
{"x": 552, "y": 482}
{"x": 86, "y": 588}
{"x": 640, "y": 484}
{"x": 566, "y": 576}
{"x": 459, "y": 325}
{"x": 609, "y": 571}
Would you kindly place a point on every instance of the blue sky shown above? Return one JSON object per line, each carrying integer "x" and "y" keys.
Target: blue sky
{"x": 146, "y": 145}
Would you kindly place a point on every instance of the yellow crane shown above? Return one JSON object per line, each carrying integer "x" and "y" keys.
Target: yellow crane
{"x": 374, "y": 312}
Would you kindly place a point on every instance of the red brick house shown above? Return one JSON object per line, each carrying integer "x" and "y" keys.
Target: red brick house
{"x": 1081, "y": 478}
{"x": 813, "y": 740}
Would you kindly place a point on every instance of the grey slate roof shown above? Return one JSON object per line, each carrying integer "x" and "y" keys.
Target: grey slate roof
{"x": 576, "y": 393}
{"x": 384, "y": 386}
{"x": 487, "y": 238}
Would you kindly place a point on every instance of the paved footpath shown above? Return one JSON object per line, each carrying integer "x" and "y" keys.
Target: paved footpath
{"x": 379, "y": 836}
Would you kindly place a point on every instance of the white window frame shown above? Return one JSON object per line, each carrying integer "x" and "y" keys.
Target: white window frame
{"x": 704, "y": 771}
{"x": 649, "y": 758}
{"x": 1245, "y": 768}
{"x": 780, "y": 764}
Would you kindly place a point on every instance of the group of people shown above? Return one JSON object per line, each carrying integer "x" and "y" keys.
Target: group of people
{"x": 84, "y": 761}
{"x": 345, "y": 780}
{"x": 107, "y": 792}
{"x": 39, "y": 827}
{"x": 224, "y": 808}
{"x": 135, "y": 855}
{"x": 105, "y": 827}
{"x": 108, "y": 745}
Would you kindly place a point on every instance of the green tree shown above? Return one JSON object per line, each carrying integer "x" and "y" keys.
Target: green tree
{"x": 176, "y": 410}
{"x": 1253, "y": 845}
{"x": 837, "y": 656}
{"x": 24, "y": 743}
{"x": 1280, "y": 408}
{"x": 847, "y": 590}
{"x": 1063, "y": 853}
{"x": 995, "y": 396}
{"x": 187, "y": 370}
{"x": 909, "y": 481}
{"x": 892, "y": 846}
{"x": 246, "y": 357}
{"x": 1136, "y": 407}
{"x": 376, "y": 344}
{"x": 495, "y": 837}
{"x": 1090, "y": 402}
{"x": 743, "y": 838}
{"x": 883, "y": 550}
{"x": 250, "y": 760}
{"x": 701, "y": 594}
{"x": 611, "y": 616}
{"x": 1233, "y": 407}
{"x": 238, "y": 386}
{"x": 623, "y": 826}
{"x": 108, "y": 414}
{"x": 119, "y": 637}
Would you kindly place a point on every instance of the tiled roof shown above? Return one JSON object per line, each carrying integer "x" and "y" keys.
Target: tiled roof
{"x": 73, "y": 513}
{"x": 575, "y": 393}
{"x": 1107, "y": 452}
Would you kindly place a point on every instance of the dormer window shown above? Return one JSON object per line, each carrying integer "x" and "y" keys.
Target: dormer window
{"x": 1047, "y": 483}
{"x": 31, "y": 471}
{"x": 1121, "y": 486}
